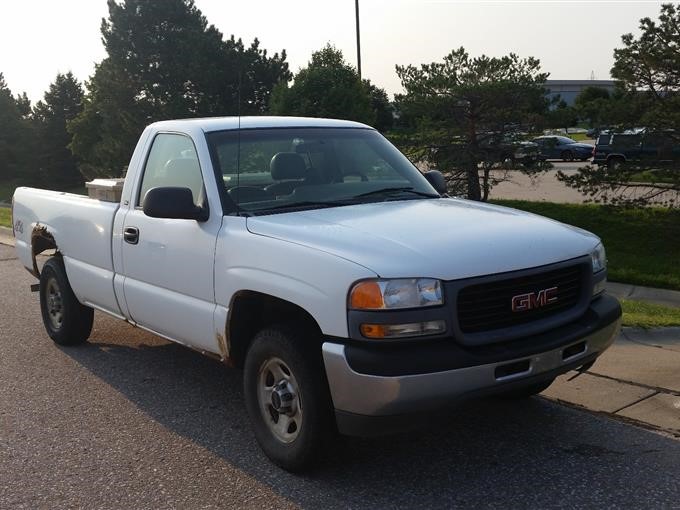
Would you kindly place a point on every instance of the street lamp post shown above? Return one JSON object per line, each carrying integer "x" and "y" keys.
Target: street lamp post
{"x": 356, "y": 5}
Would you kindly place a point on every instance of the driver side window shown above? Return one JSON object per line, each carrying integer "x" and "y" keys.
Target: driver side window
{"x": 172, "y": 162}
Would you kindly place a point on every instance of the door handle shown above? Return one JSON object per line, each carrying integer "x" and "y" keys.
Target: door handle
{"x": 131, "y": 235}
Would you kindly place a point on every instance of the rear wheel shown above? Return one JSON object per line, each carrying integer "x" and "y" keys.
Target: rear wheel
{"x": 287, "y": 397}
{"x": 615, "y": 163}
{"x": 66, "y": 320}
{"x": 528, "y": 391}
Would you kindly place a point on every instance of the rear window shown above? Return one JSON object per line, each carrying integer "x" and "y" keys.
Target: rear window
{"x": 604, "y": 139}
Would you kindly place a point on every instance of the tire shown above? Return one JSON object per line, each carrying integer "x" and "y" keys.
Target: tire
{"x": 567, "y": 156}
{"x": 615, "y": 163}
{"x": 527, "y": 391}
{"x": 279, "y": 370}
{"x": 66, "y": 320}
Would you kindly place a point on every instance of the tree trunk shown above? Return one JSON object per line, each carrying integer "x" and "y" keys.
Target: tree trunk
{"x": 486, "y": 187}
{"x": 474, "y": 190}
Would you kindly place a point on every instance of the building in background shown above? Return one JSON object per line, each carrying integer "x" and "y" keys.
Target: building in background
{"x": 569, "y": 89}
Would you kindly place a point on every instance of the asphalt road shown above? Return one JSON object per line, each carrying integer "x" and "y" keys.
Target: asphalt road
{"x": 132, "y": 421}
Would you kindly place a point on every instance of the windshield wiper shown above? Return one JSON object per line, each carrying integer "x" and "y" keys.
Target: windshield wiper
{"x": 388, "y": 191}
{"x": 302, "y": 205}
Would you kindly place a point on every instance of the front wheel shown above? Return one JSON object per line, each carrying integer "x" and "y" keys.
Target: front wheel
{"x": 66, "y": 320}
{"x": 287, "y": 398}
{"x": 567, "y": 156}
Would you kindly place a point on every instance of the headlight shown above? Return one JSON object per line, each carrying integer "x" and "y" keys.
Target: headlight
{"x": 395, "y": 294}
{"x": 599, "y": 258}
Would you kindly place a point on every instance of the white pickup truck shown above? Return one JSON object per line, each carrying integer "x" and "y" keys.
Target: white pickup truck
{"x": 311, "y": 253}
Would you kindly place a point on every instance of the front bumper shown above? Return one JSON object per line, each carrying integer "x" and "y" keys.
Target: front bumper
{"x": 367, "y": 401}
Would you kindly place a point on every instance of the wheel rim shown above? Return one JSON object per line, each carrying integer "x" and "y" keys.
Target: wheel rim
{"x": 279, "y": 399}
{"x": 55, "y": 304}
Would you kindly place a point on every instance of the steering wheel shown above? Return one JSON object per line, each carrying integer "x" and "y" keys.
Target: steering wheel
{"x": 364, "y": 177}
{"x": 248, "y": 194}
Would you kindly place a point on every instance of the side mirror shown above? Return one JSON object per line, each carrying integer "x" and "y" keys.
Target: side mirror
{"x": 176, "y": 203}
{"x": 437, "y": 180}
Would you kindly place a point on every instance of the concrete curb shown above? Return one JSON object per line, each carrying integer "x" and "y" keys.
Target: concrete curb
{"x": 639, "y": 293}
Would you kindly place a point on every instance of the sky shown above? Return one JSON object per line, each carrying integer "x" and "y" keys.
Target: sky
{"x": 571, "y": 38}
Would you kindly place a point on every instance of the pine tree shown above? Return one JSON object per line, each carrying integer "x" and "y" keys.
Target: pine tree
{"x": 15, "y": 136}
{"x": 62, "y": 103}
{"x": 165, "y": 61}
{"x": 327, "y": 87}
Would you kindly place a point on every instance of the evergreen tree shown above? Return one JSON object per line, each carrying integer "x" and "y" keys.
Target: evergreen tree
{"x": 327, "y": 87}
{"x": 16, "y": 143}
{"x": 648, "y": 72}
{"x": 381, "y": 106}
{"x": 164, "y": 61}
{"x": 461, "y": 112}
{"x": 62, "y": 103}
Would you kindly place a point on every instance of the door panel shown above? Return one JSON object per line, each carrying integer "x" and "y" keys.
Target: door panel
{"x": 168, "y": 265}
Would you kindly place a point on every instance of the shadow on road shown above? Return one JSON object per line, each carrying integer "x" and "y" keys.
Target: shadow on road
{"x": 531, "y": 453}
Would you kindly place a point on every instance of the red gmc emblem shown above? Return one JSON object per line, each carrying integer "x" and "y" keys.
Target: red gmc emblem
{"x": 532, "y": 300}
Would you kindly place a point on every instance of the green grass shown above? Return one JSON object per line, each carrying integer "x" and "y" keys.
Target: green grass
{"x": 643, "y": 245}
{"x": 640, "y": 314}
{"x": 652, "y": 176}
{"x": 5, "y": 217}
{"x": 579, "y": 137}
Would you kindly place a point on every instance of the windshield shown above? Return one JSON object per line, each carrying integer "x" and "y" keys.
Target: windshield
{"x": 271, "y": 170}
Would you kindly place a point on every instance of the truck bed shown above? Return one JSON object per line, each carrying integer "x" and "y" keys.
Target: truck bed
{"x": 82, "y": 230}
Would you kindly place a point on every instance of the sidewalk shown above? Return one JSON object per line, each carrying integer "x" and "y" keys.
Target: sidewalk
{"x": 637, "y": 379}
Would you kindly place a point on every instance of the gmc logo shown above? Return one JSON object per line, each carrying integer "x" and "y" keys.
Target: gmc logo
{"x": 533, "y": 300}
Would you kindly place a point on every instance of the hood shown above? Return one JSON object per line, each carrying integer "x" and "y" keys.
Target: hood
{"x": 441, "y": 238}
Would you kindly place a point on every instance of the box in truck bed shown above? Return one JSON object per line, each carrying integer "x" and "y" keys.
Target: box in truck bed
{"x": 108, "y": 190}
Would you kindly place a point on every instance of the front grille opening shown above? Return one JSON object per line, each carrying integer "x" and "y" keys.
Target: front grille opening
{"x": 573, "y": 350}
{"x": 488, "y": 306}
{"x": 516, "y": 368}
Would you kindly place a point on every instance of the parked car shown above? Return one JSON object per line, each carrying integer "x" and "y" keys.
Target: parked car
{"x": 313, "y": 255}
{"x": 495, "y": 149}
{"x": 641, "y": 147}
{"x": 511, "y": 150}
{"x": 564, "y": 148}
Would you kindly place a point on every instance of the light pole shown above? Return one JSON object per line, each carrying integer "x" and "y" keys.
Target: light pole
{"x": 356, "y": 5}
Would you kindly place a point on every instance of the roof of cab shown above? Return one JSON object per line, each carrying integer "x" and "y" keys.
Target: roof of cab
{"x": 210, "y": 124}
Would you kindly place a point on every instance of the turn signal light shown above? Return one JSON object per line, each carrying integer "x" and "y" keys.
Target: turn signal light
{"x": 366, "y": 296}
{"x": 403, "y": 330}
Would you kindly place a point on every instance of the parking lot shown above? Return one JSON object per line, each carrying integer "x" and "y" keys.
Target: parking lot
{"x": 130, "y": 420}
{"x": 546, "y": 187}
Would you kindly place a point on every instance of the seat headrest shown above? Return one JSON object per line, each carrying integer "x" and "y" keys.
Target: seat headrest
{"x": 287, "y": 165}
